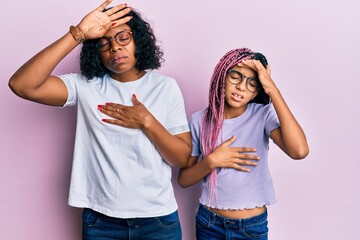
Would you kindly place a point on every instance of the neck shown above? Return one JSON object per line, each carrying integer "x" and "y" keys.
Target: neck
{"x": 230, "y": 112}
{"x": 128, "y": 76}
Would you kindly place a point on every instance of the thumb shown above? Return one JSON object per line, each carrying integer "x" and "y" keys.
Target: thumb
{"x": 230, "y": 140}
{"x": 135, "y": 100}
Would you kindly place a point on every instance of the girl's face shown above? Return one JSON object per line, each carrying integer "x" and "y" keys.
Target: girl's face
{"x": 240, "y": 88}
{"x": 117, "y": 52}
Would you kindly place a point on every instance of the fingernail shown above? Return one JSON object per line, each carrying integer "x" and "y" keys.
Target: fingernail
{"x": 113, "y": 24}
{"x": 104, "y": 120}
{"x": 107, "y": 104}
{"x": 134, "y": 96}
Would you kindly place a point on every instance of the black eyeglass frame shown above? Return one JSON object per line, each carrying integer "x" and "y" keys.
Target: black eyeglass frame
{"x": 242, "y": 76}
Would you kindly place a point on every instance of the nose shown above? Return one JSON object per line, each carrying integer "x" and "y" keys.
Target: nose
{"x": 114, "y": 46}
{"x": 241, "y": 85}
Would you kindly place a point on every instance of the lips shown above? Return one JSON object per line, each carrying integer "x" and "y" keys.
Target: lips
{"x": 237, "y": 97}
{"x": 120, "y": 58}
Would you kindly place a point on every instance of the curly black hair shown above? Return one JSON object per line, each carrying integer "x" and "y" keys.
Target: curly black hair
{"x": 148, "y": 54}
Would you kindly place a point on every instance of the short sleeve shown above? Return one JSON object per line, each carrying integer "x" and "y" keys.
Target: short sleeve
{"x": 272, "y": 120}
{"x": 195, "y": 129}
{"x": 70, "y": 81}
{"x": 176, "y": 120}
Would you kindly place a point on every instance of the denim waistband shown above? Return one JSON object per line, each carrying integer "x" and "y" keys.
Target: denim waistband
{"x": 231, "y": 222}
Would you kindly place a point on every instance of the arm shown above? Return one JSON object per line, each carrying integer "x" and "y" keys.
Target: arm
{"x": 33, "y": 81}
{"x": 289, "y": 137}
{"x": 175, "y": 149}
{"x": 223, "y": 156}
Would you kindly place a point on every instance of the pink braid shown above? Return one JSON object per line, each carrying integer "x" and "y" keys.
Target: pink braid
{"x": 214, "y": 115}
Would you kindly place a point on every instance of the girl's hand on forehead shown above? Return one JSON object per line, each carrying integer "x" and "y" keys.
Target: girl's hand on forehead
{"x": 98, "y": 22}
{"x": 263, "y": 74}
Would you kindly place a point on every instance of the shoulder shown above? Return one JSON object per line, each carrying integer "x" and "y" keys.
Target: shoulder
{"x": 198, "y": 116}
{"x": 164, "y": 85}
{"x": 260, "y": 108}
{"x": 157, "y": 77}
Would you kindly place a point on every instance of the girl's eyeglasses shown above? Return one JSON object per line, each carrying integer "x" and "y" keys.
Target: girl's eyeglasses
{"x": 123, "y": 38}
{"x": 236, "y": 77}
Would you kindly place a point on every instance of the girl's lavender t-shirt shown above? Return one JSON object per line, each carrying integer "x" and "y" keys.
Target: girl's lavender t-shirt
{"x": 237, "y": 189}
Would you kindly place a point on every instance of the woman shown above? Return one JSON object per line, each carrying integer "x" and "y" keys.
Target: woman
{"x": 131, "y": 123}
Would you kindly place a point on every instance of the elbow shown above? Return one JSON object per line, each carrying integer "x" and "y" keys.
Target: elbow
{"x": 179, "y": 163}
{"x": 182, "y": 163}
{"x": 12, "y": 85}
{"x": 183, "y": 183}
{"x": 16, "y": 88}
{"x": 182, "y": 180}
{"x": 300, "y": 153}
{"x": 184, "y": 160}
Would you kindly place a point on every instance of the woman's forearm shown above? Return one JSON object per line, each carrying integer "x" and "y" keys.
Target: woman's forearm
{"x": 35, "y": 72}
{"x": 175, "y": 149}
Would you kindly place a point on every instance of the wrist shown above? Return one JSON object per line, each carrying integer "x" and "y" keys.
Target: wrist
{"x": 77, "y": 34}
{"x": 149, "y": 121}
{"x": 211, "y": 161}
{"x": 274, "y": 93}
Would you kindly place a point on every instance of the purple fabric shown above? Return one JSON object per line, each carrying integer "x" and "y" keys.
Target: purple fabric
{"x": 237, "y": 189}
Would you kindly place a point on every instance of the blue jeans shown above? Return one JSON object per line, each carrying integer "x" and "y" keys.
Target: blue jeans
{"x": 97, "y": 226}
{"x": 211, "y": 226}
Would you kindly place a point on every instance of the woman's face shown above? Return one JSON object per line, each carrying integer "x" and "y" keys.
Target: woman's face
{"x": 240, "y": 89}
{"x": 117, "y": 51}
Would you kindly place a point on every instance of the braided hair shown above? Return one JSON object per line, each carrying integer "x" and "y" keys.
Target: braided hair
{"x": 214, "y": 115}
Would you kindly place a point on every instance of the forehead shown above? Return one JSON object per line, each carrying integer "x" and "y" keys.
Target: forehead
{"x": 248, "y": 72}
{"x": 113, "y": 31}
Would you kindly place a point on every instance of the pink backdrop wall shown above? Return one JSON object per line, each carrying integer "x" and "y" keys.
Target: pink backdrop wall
{"x": 313, "y": 48}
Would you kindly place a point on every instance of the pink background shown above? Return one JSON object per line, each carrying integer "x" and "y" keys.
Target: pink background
{"x": 313, "y": 48}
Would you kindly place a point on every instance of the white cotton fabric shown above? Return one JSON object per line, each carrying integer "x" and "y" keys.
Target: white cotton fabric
{"x": 117, "y": 171}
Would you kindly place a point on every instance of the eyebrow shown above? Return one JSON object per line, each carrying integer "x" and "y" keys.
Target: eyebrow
{"x": 107, "y": 36}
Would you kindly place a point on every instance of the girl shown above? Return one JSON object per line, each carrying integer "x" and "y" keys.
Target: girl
{"x": 233, "y": 199}
{"x": 121, "y": 172}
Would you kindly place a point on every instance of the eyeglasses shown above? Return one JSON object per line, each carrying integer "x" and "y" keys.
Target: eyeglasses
{"x": 123, "y": 38}
{"x": 235, "y": 77}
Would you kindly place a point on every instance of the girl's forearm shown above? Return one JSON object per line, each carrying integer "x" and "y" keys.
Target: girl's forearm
{"x": 194, "y": 174}
{"x": 292, "y": 135}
